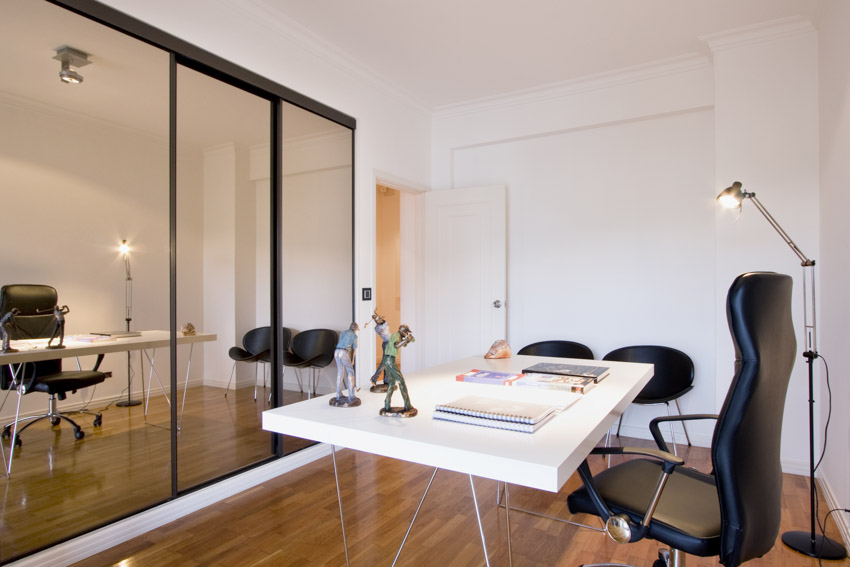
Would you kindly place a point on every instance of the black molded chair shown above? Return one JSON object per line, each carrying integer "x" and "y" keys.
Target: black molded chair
{"x": 735, "y": 511}
{"x": 35, "y": 320}
{"x": 255, "y": 345}
{"x": 266, "y": 358}
{"x": 562, "y": 349}
{"x": 313, "y": 349}
{"x": 674, "y": 377}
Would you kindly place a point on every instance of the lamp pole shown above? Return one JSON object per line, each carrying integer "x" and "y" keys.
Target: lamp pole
{"x": 808, "y": 543}
{"x": 128, "y": 317}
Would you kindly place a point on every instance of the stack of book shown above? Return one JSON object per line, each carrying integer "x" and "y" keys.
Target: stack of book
{"x": 489, "y": 377}
{"x": 567, "y": 377}
{"x": 526, "y": 417}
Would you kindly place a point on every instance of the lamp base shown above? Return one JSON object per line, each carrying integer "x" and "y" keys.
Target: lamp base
{"x": 821, "y": 547}
{"x": 128, "y": 403}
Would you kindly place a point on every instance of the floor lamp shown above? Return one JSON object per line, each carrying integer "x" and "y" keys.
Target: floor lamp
{"x": 809, "y": 543}
{"x": 128, "y": 316}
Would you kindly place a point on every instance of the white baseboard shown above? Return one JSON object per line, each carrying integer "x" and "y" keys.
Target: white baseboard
{"x": 841, "y": 518}
{"x": 101, "y": 539}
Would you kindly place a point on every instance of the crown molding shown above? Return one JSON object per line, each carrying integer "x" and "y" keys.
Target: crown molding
{"x": 758, "y": 33}
{"x": 608, "y": 79}
{"x": 264, "y": 15}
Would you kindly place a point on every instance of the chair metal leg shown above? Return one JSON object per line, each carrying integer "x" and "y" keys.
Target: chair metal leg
{"x": 684, "y": 427}
{"x": 256, "y": 367}
{"x": 672, "y": 431}
{"x": 227, "y": 389}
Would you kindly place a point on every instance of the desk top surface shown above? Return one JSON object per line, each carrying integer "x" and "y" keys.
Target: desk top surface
{"x": 544, "y": 459}
{"x": 36, "y": 349}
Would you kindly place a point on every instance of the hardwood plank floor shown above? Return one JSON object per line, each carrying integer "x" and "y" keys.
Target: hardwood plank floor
{"x": 61, "y": 487}
{"x": 294, "y": 521}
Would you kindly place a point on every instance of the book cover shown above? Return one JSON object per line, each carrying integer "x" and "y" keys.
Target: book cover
{"x": 494, "y": 423}
{"x": 596, "y": 372}
{"x": 495, "y": 409}
{"x": 577, "y": 384}
{"x": 489, "y": 377}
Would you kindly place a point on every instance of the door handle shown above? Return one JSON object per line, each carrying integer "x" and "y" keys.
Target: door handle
{"x": 497, "y": 304}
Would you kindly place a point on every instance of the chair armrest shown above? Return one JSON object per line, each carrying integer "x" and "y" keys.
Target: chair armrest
{"x": 670, "y": 460}
{"x": 656, "y": 432}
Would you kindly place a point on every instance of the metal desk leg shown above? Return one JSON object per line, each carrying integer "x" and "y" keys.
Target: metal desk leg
{"x": 186, "y": 385}
{"x": 478, "y": 515}
{"x": 508, "y": 523}
{"x": 14, "y": 373}
{"x": 339, "y": 499}
{"x": 410, "y": 527}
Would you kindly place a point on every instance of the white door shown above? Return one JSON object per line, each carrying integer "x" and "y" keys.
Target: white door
{"x": 465, "y": 272}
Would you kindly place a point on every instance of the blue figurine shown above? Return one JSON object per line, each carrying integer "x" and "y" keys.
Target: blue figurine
{"x": 346, "y": 350}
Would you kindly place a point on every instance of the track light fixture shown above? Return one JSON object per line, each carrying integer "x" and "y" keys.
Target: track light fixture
{"x": 69, "y": 57}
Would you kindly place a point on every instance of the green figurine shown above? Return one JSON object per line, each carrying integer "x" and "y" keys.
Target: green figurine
{"x": 393, "y": 376}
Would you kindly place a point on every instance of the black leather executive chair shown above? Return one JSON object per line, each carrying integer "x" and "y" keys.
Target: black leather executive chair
{"x": 674, "y": 377}
{"x": 562, "y": 349}
{"x": 733, "y": 512}
{"x": 35, "y": 320}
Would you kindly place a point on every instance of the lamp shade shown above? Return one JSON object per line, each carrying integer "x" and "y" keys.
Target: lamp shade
{"x": 733, "y": 196}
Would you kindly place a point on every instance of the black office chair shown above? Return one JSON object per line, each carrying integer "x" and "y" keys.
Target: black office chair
{"x": 266, "y": 358}
{"x": 674, "y": 377}
{"x": 562, "y": 349}
{"x": 35, "y": 320}
{"x": 313, "y": 349}
{"x": 255, "y": 344}
{"x": 734, "y": 512}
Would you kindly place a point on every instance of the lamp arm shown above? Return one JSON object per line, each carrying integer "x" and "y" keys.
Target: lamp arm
{"x": 803, "y": 259}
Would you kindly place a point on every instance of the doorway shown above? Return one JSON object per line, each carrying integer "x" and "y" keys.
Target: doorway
{"x": 387, "y": 259}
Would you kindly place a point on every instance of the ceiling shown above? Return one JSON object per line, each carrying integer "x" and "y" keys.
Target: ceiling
{"x": 445, "y": 52}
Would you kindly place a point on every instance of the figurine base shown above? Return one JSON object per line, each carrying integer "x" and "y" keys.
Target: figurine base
{"x": 55, "y": 346}
{"x": 379, "y": 388}
{"x": 5, "y": 350}
{"x": 344, "y": 402}
{"x": 396, "y": 411}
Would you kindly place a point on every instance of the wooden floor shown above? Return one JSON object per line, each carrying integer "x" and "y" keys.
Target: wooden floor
{"x": 62, "y": 487}
{"x": 294, "y": 521}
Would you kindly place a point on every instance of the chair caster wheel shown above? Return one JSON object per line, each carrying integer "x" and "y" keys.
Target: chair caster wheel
{"x": 18, "y": 442}
{"x": 663, "y": 558}
{"x": 79, "y": 433}
{"x": 54, "y": 421}
{"x": 98, "y": 421}
{"x": 7, "y": 432}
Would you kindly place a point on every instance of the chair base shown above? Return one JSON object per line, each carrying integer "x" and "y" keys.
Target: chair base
{"x": 666, "y": 558}
{"x": 55, "y": 418}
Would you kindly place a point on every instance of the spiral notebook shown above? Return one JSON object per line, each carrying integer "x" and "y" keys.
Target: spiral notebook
{"x": 510, "y": 411}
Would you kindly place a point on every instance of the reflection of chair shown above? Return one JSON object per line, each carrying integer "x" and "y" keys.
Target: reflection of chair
{"x": 562, "y": 349}
{"x": 35, "y": 320}
{"x": 735, "y": 511}
{"x": 255, "y": 345}
{"x": 266, "y": 358}
{"x": 313, "y": 349}
{"x": 674, "y": 377}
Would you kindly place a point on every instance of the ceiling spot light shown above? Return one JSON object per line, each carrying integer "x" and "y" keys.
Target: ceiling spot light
{"x": 70, "y": 57}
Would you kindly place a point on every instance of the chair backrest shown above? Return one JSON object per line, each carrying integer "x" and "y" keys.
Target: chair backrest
{"x": 745, "y": 448}
{"x": 29, "y": 299}
{"x": 257, "y": 341}
{"x": 314, "y": 343}
{"x": 562, "y": 349}
{"x": 674, "y": 371}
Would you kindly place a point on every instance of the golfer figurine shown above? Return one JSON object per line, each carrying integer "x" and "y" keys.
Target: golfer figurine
{"x": 346, "y": 350}
{"x": 393, "y": 376}
{"x": 382, "y": 329}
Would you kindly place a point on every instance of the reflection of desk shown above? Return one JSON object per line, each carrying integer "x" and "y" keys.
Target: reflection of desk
{"x": 543, "y": 460}
{"x": 36, "y": 349}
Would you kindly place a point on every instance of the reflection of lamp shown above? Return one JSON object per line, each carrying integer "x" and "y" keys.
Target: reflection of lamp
{"x": 69, "y": 56}
{"x": 808, "y": 543}
{"x": 124, "y": 249}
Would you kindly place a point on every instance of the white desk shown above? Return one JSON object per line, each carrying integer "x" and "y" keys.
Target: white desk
{"x": 543, "y": 460}
{"x": 34, "y": 350}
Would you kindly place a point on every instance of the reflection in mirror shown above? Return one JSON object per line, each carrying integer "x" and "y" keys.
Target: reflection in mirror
{"x": 316, "y": 247}
{"x": 83, "y": 167}
{"x": 223, "y": 273}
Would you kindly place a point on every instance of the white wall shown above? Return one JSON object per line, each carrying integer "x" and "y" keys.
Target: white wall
{"x": 834, "y": 261}
{"x": 614, "y": 235}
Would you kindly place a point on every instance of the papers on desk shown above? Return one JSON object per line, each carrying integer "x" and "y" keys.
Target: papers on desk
{"x": 89, "y": 338}
{"x": 513, "y": 415}
{"x": 118, "y": 334}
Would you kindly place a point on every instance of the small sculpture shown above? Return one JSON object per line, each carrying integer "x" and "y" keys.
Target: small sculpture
{"x": 188, "y": 330}
{"x": 7, "y": 323}
{"x": 58, "y": 325}
{"x": 382, "y": 329}
{"x": 398, "y": 340}
{"x": 346, "y": 350}
{"x": 500, "y": 349}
